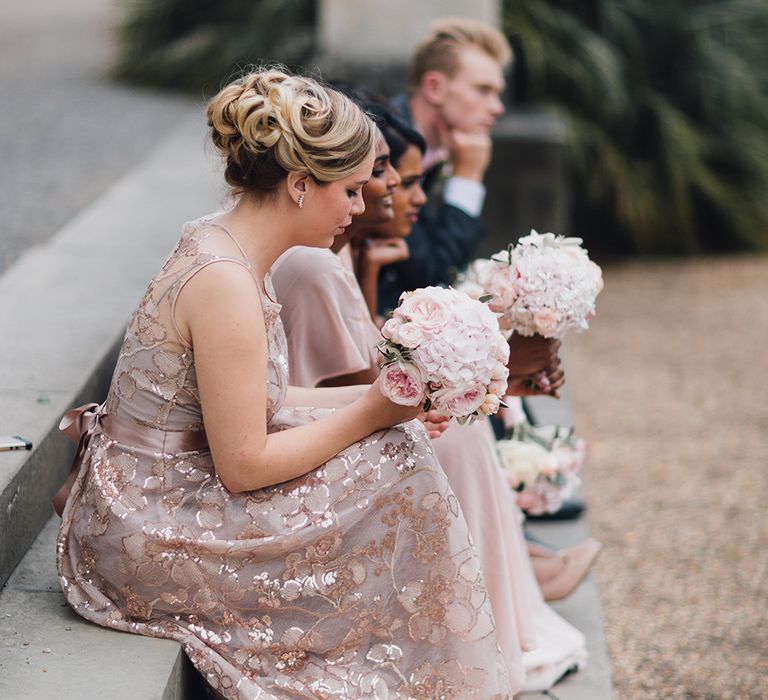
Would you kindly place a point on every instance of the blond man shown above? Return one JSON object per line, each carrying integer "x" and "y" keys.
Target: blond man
{"x": 453, "y": 99}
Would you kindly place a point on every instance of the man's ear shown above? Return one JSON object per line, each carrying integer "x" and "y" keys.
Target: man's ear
{"x": 433, "y": 87}
{"x": 298, "y": 186}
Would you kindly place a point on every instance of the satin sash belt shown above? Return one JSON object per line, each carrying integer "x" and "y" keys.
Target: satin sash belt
{"x": 80, "y": 424}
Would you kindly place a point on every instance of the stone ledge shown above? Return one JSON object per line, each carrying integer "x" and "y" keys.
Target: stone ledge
{"x": 582, "y": 608}
{"x": 65, "y": 305}
{"x": 47, "y": 651}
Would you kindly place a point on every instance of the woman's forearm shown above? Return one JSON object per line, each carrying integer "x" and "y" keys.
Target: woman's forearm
{"x": 291, "y": 453}
{"x": 324, "y": 397}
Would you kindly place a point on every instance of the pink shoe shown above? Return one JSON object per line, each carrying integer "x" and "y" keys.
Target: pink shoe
{"x": 578, "y": 562}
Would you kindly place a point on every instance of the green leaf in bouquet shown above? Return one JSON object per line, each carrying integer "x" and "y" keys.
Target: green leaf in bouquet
{"x": 504, "y": 259}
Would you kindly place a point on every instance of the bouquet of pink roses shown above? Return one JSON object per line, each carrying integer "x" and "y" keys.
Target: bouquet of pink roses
{"x": 545, "y": 284}
{"x": 542, "y": 464}
{"x": 444, "y": 350}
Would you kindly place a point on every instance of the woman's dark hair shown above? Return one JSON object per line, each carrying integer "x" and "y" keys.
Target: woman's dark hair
{"x": 391, "y": 123}
{"x": 396, "y": 132}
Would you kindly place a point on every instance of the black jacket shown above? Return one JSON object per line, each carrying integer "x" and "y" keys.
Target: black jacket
{"x": 442, "y": 241}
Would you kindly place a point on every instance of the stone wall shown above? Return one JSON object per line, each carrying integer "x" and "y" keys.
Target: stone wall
{"x": 384, "y": 32}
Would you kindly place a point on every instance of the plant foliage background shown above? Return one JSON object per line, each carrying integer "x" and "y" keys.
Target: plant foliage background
{"x": 668, "y": 112}
{"x": 199, "y": 44}
{"x": 667, "y": 103}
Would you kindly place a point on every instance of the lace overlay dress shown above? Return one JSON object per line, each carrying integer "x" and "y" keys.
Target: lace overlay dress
{"x": 356, "y": 580}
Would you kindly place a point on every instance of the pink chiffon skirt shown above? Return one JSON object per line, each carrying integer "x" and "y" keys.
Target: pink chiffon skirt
{"x": 538, "y": 645}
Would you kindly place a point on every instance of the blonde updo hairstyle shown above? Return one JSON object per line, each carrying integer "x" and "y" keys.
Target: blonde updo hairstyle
{"x": 268, "y": 124}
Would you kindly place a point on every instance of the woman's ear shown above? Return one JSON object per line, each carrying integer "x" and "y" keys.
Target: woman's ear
{"x": 298, "y": 185}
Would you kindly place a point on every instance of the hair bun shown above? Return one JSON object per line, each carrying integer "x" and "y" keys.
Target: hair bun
{"x": 269, "y": 123}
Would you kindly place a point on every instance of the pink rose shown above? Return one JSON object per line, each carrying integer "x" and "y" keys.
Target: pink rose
{"x": 460, "y": 401}
{"x": 401, "y": 383}
{"x": 498, "y": 387}
{"x": 532, "y": 501}
{"x": 504, "y": 292}
{"x": 539, "y": 498}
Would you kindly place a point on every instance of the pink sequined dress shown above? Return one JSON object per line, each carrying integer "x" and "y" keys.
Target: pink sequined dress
{"x": 330, "y": 334}
{"x": 357, "y": 580}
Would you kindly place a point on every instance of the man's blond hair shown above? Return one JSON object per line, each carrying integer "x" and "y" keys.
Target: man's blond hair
{"x": 440, "y": 50}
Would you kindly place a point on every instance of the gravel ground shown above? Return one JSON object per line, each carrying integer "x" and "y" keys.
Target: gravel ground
{"x": 668, "y": 387}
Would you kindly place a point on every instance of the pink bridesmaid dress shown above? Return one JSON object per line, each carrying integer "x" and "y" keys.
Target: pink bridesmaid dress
{"x": 330, "y": 334}
{"x": 357, "y": 580}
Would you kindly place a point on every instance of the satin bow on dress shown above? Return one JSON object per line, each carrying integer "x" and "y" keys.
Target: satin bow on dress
{"x": 82, "y": 423}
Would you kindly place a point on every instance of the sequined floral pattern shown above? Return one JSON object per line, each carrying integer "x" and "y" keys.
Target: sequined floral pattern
{"x": 356, "y": 580}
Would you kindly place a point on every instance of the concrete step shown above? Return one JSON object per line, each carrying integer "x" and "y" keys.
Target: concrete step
{"x": 47, "y": 651}
{"x": 64, "y": 306}
{"x": 582, "y": 608}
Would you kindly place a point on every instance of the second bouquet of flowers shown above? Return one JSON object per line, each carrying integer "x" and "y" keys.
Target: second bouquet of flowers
{"x": 545, "y": 285}
{"x": 445, "y": 351}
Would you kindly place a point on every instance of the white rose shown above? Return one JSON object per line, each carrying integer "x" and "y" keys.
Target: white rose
{"x": 490, "y": 405}
{"x": 410, "y": 335}
{"x": 390, "y": 328}
{"x": 523, "y": 461}
{"x": 472, "y": 289}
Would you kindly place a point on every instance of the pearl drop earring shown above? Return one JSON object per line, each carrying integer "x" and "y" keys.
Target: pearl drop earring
{"x": 300, "y": 202}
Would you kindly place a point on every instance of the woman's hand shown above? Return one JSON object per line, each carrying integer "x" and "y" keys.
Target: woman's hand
{"x": 384, "y": 413}
{"x": 435, "y": 424}
{"x": 530, "y": 354}
{"x": 545, "y": 383}
{"x": 372, "y": 256}
{"x": 378, "y": 252}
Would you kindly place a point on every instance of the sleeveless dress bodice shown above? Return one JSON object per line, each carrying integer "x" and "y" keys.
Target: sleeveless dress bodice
{"x": 154, "y": 381}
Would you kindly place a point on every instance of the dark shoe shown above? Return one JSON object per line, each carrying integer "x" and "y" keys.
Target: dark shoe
{"x": 572, "y": 508}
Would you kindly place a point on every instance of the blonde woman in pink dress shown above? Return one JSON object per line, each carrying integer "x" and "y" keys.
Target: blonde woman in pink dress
{"x": 294, "y": 552}
{"x": 331, "y": 339}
